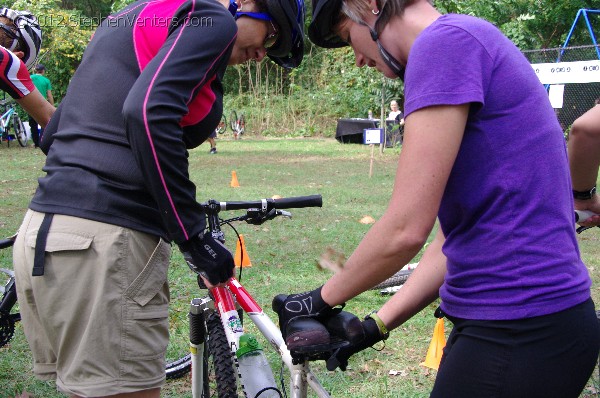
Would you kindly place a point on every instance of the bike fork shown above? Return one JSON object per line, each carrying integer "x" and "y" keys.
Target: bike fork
{"x": 197, "y": 345}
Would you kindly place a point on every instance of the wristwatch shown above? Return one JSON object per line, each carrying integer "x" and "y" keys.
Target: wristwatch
{"x": 584, "y": 195}
{"x": 385, "y": 333}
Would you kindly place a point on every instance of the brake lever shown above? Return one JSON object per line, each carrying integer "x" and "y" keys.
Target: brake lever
{"x": 257, "y": 217}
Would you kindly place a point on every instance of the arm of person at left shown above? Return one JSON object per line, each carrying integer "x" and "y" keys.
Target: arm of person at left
{"x": 185, "y": 67}
{"x": 37, "y": 106}
{"x": 584, "y": 160}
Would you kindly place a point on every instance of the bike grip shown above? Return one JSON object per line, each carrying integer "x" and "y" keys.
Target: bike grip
{"x": 298, "y": 202}
{"x": 582, "y": 215}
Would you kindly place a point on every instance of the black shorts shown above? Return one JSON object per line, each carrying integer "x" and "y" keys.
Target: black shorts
{"x": 546, "y": 356}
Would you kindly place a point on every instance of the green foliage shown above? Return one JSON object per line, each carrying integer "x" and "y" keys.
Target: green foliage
{"x": 307, "y": 101}
{"x": 65, "y": 36}
{"x": 530, "y": 24}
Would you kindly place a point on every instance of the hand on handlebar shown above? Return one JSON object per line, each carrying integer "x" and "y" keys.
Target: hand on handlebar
{"x": 295, "y": 310}
{"x": 208, "y": 258}
{"x": 588, "y": 211}
{"x": 372, "y": 335}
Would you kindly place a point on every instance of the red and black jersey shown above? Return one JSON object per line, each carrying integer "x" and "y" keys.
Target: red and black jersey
{"x": 14, "y": 77}
{"x": 148, "y": 89}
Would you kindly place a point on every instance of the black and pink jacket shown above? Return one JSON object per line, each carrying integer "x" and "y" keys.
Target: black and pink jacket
{"x": 147, "y": 90}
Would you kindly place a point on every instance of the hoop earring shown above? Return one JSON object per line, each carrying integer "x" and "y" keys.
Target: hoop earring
{"x": 375, "y": 12}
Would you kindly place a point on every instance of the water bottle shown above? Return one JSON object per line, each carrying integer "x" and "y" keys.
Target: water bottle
{"x": 257, "y": 375}
{"x": 370, "y": 114}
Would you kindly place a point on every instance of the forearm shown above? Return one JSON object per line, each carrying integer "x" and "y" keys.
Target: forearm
{"x": 420, "y": 289}
{"x": 584, "y": 150}
{"x": 50, "y": 98}
{"x": 36, "y": 106}
{"x": 381, "y": 253}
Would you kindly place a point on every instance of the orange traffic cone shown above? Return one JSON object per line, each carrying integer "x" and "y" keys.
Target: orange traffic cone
{"x": 241, "y": 258}
{"x": 234, "y": 180}
{"x": 438, "y": 342}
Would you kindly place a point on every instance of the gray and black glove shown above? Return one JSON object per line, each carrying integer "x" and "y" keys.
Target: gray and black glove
{"x": 209, "y": 258}
{"x": 373, "y": 334}
{"x": 298, "y": 319}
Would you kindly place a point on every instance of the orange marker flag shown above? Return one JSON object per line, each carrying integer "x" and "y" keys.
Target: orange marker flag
{"x": 438, "y": 342}
{"x": 241, "y": 258}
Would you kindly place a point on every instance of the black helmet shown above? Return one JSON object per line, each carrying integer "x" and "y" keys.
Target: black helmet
{"x": 30, "y": 33}
{"x": 288, "y": 51}
{"x": 325, "y": 16}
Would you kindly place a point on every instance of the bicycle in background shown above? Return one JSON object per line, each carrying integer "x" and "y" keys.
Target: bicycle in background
{"x": 11, "y": 126}
{"x": 238, "y": 124}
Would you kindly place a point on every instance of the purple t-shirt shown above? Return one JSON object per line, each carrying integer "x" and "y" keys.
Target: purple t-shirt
{"x": 507, "y": 211}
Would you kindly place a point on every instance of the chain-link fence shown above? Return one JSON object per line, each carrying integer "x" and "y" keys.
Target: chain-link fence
{"x": 578, "y": 97}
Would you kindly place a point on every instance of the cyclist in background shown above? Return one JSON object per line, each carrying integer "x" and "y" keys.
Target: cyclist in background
{"x": 20, "y": 42}
{"x": 584, "y": 160}
{"x": 484, "y": 153}
{"x": 92, "y": 253}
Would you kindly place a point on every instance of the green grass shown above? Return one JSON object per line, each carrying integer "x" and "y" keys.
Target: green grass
{"x": 283, "y": 252}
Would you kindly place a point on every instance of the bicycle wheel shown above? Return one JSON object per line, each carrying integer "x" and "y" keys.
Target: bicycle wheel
{"x": 233, "y": 121}
{"x": 19, "y": 130}
{"x": 222, "y": 375}
{"x": 395, "y": 280}
{"x": 182, "y": 287}
{"x": 242, "y": 124}
{"x": 222, "y": 126}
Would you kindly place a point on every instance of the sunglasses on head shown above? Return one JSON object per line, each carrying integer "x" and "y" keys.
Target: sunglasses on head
{"x": 11, "y": 34}
{"x": 271, "y": 38}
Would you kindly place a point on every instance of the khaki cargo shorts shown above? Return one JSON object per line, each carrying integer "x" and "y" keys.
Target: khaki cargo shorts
{"x": 97, "y": 320}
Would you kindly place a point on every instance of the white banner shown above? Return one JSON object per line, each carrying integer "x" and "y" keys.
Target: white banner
{"x": 568, "y": 72}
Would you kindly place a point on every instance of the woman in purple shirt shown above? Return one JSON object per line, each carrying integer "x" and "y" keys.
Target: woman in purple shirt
{"x": 483, "y": 153}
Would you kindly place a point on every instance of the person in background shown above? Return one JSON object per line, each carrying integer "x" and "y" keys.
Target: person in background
{"x": 395, "y": 113}
{"x": 584, "y": 160}
{"x": 42, "y": 83}
{"x": 213, "y": 143}
{"x": 117, "y": 190}
{"x": 20, "y": 43}
{"x": 483, "y": 153}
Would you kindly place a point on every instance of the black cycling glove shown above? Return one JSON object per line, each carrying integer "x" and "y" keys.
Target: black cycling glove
{"x": 209, "y": 258}
{"x": 373, "y": 335}
{"x": 297, "y": 307}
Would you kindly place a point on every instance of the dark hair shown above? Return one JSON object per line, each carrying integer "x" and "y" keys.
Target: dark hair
{"x": 5, "y": 40}
{"x": 40, "y": 67}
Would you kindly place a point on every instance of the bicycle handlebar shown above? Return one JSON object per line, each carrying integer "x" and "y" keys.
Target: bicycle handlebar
{"x": 267, "y": 204}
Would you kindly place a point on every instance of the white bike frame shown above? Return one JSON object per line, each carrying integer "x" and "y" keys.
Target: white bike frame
{"x": 225, "y": 299}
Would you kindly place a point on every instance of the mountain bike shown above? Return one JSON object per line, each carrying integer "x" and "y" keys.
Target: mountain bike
{"x": 222, "y": 126}
{"x": 11, "y": 126}
{"x": 216, "y": 320}
{"x": 237, "y": 124}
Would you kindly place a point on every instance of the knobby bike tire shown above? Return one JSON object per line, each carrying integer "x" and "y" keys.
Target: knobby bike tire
{"x": 222, "y": 126}
{"x": 19, "y": 129}
{"x": 233, "y": 121}
{"x": 222, "y": 368}
{"x": 395, "y": 280}
{"x": 242, "y": 124}
{"x": 179, "y": 368}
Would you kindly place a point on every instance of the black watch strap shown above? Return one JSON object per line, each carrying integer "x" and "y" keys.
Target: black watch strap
{"x": 584, "y": 195}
